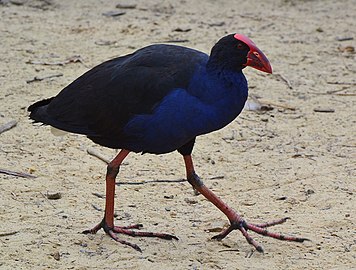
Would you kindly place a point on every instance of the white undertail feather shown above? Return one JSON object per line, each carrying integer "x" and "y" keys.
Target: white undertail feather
{"x": 58, "y": 132}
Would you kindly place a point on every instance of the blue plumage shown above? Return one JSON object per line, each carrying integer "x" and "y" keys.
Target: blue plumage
{"x": 207, "y": 104}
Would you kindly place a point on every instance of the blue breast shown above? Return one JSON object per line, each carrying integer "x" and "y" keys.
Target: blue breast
{"x": 211, "y": 101}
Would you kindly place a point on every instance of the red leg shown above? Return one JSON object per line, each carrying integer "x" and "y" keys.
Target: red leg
{"x": 108, "y": 221}
{"x": 236, "y": 221}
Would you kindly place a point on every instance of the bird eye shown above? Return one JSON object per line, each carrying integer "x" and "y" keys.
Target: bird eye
{"x": 240, "y": 46}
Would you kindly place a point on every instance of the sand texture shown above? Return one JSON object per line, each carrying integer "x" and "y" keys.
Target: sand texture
{"x": 294, "y": 157}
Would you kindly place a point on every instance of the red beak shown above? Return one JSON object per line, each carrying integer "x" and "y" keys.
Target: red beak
{"x": 255, "y": 57}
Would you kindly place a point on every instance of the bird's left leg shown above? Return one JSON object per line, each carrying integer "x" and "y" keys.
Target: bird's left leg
{"x": 108, "y": 221}
{"x": 236, "y": 221}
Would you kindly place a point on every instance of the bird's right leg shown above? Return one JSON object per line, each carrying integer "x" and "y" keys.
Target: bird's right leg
{"x": 107, "y": 224}
{"x": 236, "y": 221}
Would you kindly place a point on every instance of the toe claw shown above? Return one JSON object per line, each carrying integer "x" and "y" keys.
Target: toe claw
{"x": 136, "y": 247}
{"x": 170, "y": 237}
{"x": 217, "y": 237}
{"x": 301, "y": 240}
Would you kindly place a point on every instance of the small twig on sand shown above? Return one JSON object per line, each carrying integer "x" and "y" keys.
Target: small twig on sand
{"x": 285, "y": 80}
{"x": 38, "y": 79}
{"x": 44, "y": 196}
{"x": 151, "y": 181}
{"x": 164, "y": 181}
{"x": 175, "y": 41}
{"x": 283, "y": 106}
{"x": 217, "y": 177}
{"x": 230, "y": 250}
{"x": 346, "y": 94}
{"x": 97, "y": 208}
{"x": 344, "y": 83}
{"x": 7, "y": 126}
{"x": 8, "y": 233}
{"x": 93, "y": 152}
{"x": 72, "y": 59}
{"x": 344, "y": 38}
{"x": 126, "y": 6}
{"x": 98, "y": 195}
{"x": 19, "y": 174}
{"x": 324, "y": 110}
{"x": 333, "y": 91}
{"x": 114, "y": 13}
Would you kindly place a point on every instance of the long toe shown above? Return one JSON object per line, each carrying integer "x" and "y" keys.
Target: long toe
{"x": 113, "y": 236}
{"x": 93, "y": 230}
{"x": 272, "y": 223}
{"x": 265, "y": 232}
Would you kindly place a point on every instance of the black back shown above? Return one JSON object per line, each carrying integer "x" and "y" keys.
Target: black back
{"x": 100, "y": 102}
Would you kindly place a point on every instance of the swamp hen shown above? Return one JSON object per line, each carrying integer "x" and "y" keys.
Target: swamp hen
{"x": 157, "y": 100}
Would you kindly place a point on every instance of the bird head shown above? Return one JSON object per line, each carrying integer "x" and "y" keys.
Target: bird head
{"x": 255, "y": 57}
{"x": 236, "y": 52}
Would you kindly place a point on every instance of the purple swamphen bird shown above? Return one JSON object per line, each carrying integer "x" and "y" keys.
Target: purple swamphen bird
{"x": 157, "y": 100}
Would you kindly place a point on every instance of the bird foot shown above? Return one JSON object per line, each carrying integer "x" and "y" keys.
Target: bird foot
{"x": 128, "y": 230}
{"x": 243, "y": 226}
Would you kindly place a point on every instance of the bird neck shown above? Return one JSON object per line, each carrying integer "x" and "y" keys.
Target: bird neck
{"x": 228, "y": 76}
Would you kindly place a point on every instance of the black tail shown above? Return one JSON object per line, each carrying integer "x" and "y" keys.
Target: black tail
{"x": 38, "y": 111}
{"x": 39, "y": 114}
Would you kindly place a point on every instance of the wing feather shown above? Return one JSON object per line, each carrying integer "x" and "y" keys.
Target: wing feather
{"x": 101, "y": 101}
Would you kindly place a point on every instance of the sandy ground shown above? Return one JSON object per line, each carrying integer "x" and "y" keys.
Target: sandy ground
{"x": 295, "y": 160}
